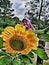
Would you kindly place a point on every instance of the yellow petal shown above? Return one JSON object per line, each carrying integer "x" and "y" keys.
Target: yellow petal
{"x": 8, "y": 33}
{"x": 30, "y": 32}
{"x": 19, "y": 28}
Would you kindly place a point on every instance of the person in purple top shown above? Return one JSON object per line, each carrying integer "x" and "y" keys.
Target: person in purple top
{"x": 27, "y": 24}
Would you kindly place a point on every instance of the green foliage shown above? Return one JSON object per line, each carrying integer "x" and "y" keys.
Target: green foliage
{"x": 1, "y": 29}
{"x": 2, "y": 23}
{"x": 21, "y": 59}
{"x": 16, "y": 19}
{"x": 16, "y": 62}
{"x": 44, "y": 37}
{"x": 5, "y": 60}
{"x": 46, "y": 63}
{"x": 27, "y": 59}
{"x": 17, "y": 59}
{"x": 39, "y": 31}
{"x": 5, "y": 9}
{"x": 2, "y": 53}
{"x": 41, "y": 53}
{"x": 1, "y": 42}
{"x": 38, "y": 22}
{"x": 8, "y": 22}
{"x": 30, "y": 54}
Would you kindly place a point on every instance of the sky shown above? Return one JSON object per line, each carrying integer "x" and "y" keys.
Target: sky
{"x": 19, "y": 7}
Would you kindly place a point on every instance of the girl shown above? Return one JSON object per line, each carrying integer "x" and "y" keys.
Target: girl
{"x": 27, "y": 24}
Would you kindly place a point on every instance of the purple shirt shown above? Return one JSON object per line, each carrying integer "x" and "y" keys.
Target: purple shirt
{"x": 30, "y": 26}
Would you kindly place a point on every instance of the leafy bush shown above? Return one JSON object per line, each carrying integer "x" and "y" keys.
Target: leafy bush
{"x": 1, "y": 29}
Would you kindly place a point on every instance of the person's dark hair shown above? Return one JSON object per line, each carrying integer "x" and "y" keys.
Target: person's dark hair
{"x": 23, "y": 20}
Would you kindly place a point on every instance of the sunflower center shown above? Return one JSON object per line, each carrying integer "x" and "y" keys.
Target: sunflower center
{"x": 18, "y": 43}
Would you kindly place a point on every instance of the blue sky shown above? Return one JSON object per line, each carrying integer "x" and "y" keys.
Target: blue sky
{"x": 19, "y": 7}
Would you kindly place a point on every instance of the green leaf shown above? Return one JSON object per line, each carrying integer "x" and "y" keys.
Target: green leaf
{"x": 15, "y": 62}
{"x": 2, "y": 53}
{"x": 1, "y": 29}
{"x": 39, "y": 31}
{"x": 23, "y": 63}
{"x": 44, "y": 37}
{"x": 1, "y": 43}
{"x": 4, "y": 60}
{"x": 26, "y": 57}
{"x": 41, "y": 53}
{"x": 30, "y": 54}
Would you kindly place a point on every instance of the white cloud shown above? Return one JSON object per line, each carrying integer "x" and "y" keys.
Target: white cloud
{"x": 19, "y": 7}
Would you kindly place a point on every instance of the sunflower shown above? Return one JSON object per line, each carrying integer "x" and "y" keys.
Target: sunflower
{"x": 19, "y": 40}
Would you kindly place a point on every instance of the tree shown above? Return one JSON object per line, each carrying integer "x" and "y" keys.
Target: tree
{"x": 38, "y": 12}
{"x": 5, "y": 9}
{"x": 16, "y": 19}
